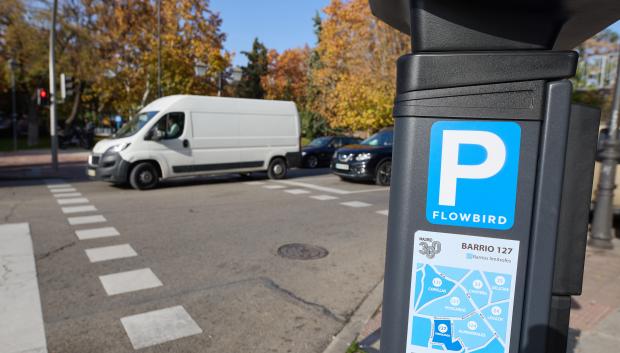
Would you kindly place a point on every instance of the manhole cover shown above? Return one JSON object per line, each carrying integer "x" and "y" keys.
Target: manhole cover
{"x": 298, "y": 251}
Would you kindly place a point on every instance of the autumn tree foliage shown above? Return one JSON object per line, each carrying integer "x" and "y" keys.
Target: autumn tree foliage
{"x": 126, "y": 35}
{"x": 287, "y": 75}
{"x": 357, "y": 72}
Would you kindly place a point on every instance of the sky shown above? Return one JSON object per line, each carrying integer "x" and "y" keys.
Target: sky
{"x": 279, "y": 24}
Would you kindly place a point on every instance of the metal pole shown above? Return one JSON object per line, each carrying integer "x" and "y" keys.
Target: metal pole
{"x": 159, "y": 93}
{"x": 13, "y": 103}
{"x": 53, "y": 135}
{"x": 603, "y": 214}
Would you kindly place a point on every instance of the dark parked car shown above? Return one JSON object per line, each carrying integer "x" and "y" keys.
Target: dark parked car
{"x": 319, "y": 152}
{"x": 369, "y": 160}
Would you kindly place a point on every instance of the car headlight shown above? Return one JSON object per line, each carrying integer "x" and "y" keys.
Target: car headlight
{"x": 119, "y": 148}
{"x": 363, "y": 157}
{"x": 303, "y": 153}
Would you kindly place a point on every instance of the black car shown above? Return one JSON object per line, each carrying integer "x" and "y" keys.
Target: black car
{"x": 319, "y": 152}
{"x": 369, "y": 160}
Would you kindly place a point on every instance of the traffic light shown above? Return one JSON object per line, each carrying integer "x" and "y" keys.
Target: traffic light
{"x": 66, "y": 86}
{"x": 43, "y": 97}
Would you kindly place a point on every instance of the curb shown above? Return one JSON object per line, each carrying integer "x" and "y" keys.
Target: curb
{"x": 356, "y": 322}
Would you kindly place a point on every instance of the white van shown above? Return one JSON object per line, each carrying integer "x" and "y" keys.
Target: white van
{"x": 185, "y": 135}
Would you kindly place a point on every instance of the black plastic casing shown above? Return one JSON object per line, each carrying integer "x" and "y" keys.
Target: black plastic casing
{"x": 531, "y": 89}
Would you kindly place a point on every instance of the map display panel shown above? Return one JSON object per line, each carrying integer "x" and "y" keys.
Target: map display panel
{"x": 462, "y": 293}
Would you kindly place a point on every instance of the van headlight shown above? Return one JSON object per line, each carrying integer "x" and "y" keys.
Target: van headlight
{"x": 118, "y": 148}
{"x": 363, "y": 157}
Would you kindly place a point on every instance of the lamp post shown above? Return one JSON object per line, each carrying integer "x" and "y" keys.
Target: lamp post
{"x": 52, "y": 69}
{"x": 602, "y": 222}
{"x": 159, "y": 93}
{"x": 12, "y": 67}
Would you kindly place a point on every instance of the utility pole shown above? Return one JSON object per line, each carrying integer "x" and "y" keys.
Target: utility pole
{"x": 12, "y": 67}
{"x": 159, "y": 93}
{"x": 602, "y": 222}
{"x": 53, "y": 135}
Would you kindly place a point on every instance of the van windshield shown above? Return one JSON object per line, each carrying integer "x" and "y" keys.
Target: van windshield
{"x": 135, "y": 124}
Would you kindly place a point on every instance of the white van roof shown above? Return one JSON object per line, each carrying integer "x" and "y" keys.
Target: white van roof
{"x": 221, "y": 104}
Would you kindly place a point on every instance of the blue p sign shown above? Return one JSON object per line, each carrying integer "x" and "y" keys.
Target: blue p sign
{"x": 472, "y": 173}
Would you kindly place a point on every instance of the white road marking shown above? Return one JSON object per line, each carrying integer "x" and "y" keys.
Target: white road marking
{"x": 159, "y": 326}
{"x": 95, "y": 233}
{"x": 63, "y": 190}
{"x": 74, "y": 221}
{"x": 297, "y": 191}
{"x": 72, "y": 201}
{"x": 78, "y": 209}
{"x": 67, "y": 194}
{"x": 110, "y": 253}
{"x": 59, "y": 186}
{"x": 355, "y": 204}
{"x": 328, "y": 189}
{"x": 383, "y": 212}
{"x": 255, "y": 183}
{"x": 323, "y": 197}
{"x": 21, "y": 318}
{"x": 129, "y": 281}
{"x": 272, "y": 187}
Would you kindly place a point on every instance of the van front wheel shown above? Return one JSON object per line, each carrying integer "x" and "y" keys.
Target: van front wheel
{"x": 143, "y": 176}
{"x": 277, "y": 169}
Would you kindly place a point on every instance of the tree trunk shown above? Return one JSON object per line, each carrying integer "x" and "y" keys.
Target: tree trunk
{"x": 33, "y": 121}
{"x": 76, "y": 104}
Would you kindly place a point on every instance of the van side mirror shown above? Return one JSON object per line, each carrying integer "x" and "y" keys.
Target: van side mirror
{"x": 153, "y": 135}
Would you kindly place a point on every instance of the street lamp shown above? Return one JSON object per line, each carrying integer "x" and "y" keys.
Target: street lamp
{"x": 602, "y": 222}
{"x": 12, "y": 67}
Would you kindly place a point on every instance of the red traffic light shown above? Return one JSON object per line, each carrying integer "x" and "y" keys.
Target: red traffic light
{"x": 43, "y": 93}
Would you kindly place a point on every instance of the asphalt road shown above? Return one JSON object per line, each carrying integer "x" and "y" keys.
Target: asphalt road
{"x": 208, "y": 251}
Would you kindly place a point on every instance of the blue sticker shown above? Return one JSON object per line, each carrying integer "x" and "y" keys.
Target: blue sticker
{"x": 472, "y": 174}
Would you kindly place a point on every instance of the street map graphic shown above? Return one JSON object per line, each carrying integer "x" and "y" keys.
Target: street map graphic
{"x": 462, "y": 293}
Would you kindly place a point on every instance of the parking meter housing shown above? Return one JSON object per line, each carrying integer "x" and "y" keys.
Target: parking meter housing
{"x": 484, "y": 69}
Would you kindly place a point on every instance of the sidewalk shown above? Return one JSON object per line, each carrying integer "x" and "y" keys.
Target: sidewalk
{"x": 34, "y": 164}
{"x": 595, "y": 315}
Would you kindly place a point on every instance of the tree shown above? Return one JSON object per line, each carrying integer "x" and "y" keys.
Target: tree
{"x": 127, "y": 46}
{"x": 357, "y": 67}
{"x": 287, "y": 75}
{"x": 23, "y": 39}
{"x": 251, "y": 74}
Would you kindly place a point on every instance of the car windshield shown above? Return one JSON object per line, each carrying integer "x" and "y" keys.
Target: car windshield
{"x": 382, "y": 138}
{"x": 320, "y": 142}
{"x": 135, "y": 124}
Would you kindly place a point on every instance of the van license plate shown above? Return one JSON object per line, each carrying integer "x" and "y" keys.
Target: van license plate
{"x": 92, "y": 172}
{"x": 342, "y": 166}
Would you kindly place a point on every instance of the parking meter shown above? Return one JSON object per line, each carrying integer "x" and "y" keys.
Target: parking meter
{"x": 491, "y": 174}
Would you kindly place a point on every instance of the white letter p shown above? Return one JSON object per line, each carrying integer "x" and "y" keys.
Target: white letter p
{"x": 451, "y": 170}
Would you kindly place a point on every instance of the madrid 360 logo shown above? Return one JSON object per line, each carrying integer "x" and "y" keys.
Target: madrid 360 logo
{"x": 429, "y": 247}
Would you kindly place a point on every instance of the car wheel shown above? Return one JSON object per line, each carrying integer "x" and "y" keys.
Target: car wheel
{"x": 384, "y": 173}
{"x": 312, "y": 162}
{"x": 144, "y": 176}
{"x": 277, "y": 169}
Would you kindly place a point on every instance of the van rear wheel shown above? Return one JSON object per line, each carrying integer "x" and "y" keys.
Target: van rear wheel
{"x": 144, "y": 176}
{"x": 277, "y": 169}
